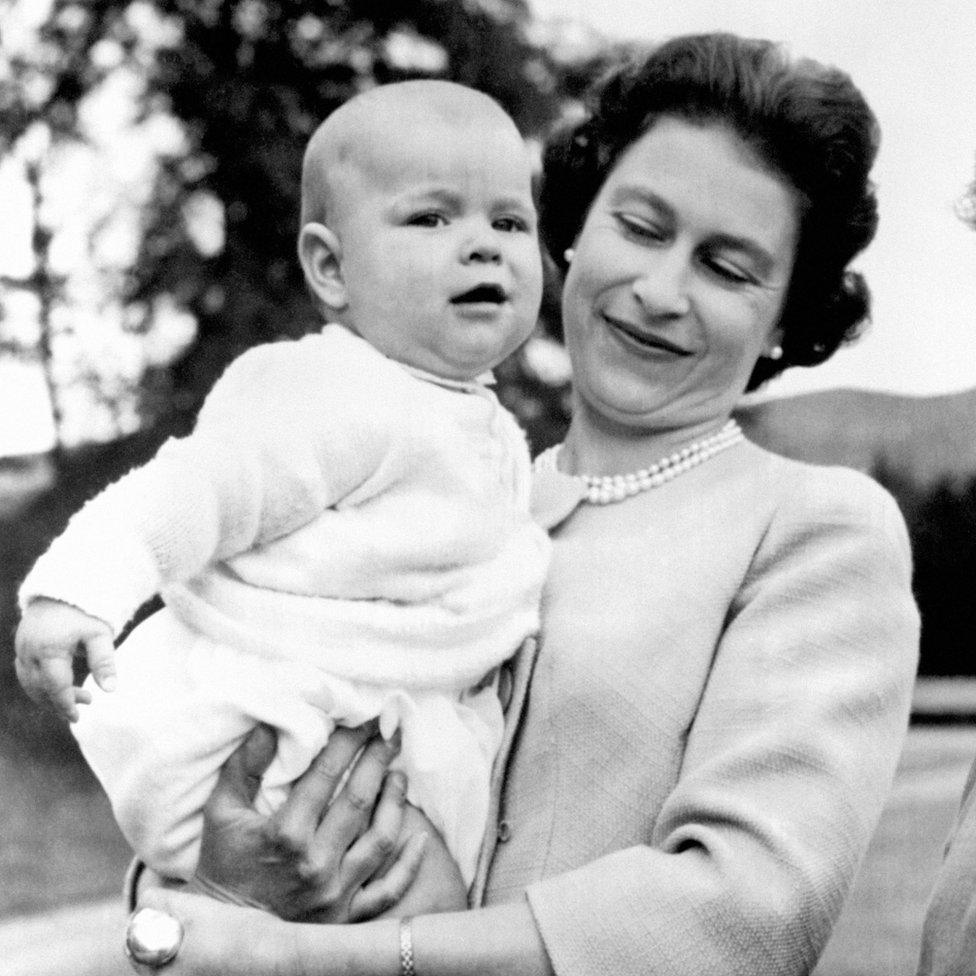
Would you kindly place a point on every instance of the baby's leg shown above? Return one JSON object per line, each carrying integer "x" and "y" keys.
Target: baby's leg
{"x": 157, "y": 742}
{"x": 448, "y": 750}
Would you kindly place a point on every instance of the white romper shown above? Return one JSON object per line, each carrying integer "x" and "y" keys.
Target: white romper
{"x": 341, "y": 538}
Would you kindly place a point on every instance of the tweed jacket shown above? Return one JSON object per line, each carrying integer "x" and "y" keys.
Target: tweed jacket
{"x": 699, "y": 746}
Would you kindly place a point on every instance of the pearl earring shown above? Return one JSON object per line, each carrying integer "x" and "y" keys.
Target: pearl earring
{"x": 775, "y": 353}
{"x": 569, "y": 254}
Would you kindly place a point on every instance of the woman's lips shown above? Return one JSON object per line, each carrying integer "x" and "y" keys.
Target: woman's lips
{"x": 638, "y": 337}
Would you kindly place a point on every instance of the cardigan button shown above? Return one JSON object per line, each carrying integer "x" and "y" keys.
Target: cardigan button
{"x": 505, "y": 686}
{"x": 504, "y": 831}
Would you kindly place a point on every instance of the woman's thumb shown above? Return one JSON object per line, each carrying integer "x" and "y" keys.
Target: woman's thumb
{"x": 241, "y": 774}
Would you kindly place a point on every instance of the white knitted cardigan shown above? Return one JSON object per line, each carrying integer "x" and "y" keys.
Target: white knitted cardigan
{"x": 330, "y": 505}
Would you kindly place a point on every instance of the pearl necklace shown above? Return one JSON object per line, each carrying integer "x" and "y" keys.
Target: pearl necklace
{"x": 604, "y": 489}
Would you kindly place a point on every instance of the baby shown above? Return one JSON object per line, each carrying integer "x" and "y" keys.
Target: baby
{"x": 345, "y": 535}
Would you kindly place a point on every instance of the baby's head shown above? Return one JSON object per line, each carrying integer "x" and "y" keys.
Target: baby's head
{"x": 419, "y": 229}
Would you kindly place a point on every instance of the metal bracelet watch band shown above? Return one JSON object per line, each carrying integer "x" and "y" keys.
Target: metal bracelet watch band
{"x": 406, "y": 948}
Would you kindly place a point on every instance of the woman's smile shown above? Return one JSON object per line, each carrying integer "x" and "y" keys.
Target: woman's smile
{"x": 651, "y": 343}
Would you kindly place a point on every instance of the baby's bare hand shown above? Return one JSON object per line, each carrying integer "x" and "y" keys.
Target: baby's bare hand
{"x": 50, "y": 634}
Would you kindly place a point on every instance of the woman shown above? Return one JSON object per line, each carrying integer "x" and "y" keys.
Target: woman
{"x": 700, "y": 747}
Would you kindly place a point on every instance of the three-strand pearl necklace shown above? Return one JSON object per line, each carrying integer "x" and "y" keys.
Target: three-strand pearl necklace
{"x": 604, "y": 489}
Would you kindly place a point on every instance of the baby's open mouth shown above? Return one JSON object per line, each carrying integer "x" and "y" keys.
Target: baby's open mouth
{"x": 481, "y": 293}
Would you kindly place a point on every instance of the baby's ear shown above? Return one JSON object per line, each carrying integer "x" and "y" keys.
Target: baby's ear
{"x": 320, "y": 254}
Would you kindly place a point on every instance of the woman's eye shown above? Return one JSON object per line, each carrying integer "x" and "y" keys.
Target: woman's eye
{"x": 730, "y": 272}
{"x": 638, "y": 227}
{"x": 429, "y": 218}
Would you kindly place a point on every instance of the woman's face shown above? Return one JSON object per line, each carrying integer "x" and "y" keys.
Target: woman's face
{"x": 678, "y": 279}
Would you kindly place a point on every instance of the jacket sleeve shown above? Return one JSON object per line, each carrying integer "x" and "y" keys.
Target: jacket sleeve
{"x": 275, "y": 443}
{"x": 787, "y": 764}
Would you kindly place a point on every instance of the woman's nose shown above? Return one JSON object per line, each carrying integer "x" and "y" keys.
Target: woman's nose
{"x": 662, "y": 286}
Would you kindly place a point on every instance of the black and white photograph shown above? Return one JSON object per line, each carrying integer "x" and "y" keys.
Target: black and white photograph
{"x": 487, "y": 488}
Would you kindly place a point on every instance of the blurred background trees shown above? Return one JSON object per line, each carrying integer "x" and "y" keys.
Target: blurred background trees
{"x": 942, "y": 525}
{"x": 162, "y": 141}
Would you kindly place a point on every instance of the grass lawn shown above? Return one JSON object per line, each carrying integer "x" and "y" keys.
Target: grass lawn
{"x": 60, "y": 845}
{"x": 58, "y": 842}
{"x": 879, "y": 930}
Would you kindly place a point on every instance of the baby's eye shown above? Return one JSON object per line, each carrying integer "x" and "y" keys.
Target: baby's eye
{"x": 428, "y": 218}
{"x": 640, "y": 228}
{"x": 511, "y": 225}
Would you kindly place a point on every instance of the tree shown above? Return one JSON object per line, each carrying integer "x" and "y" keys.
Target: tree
{"x": 46, "y": 289}
{"x": 943, "y": 535}
{"x": 227, "y": 92}
{"x": 941, "y": 522}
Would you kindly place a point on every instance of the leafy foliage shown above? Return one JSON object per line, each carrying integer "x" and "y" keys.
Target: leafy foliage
{"x": 942, "y": 527}
{"x": 245, "y": 82}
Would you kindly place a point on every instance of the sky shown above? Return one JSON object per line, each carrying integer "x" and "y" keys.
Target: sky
{"x": 915, "y": 61}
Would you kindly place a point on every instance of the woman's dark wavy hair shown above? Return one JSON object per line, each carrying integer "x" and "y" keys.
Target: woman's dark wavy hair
{"x": 808, "y": 123}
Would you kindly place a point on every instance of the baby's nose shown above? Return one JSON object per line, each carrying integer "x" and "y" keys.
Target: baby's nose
{"x": 482, "y": 246}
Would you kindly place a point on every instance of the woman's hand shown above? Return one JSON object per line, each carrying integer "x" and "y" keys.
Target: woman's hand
{"x": 325, "y": 856}
{"x": 221, "y": 940}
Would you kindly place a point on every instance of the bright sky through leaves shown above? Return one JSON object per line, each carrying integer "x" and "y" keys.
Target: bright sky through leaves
{"x": 916, "y": 62}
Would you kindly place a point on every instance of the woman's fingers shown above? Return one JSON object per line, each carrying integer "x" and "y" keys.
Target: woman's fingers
{"x": 380, "y": 844}
{"x": 385, "y": 892}
{"x": 233, "y": 837}
{"x": 352, "y": 808}
{"x": 240, "y": 777}
{"x": 310, "y": 858}
{"x": 298, "y": 818}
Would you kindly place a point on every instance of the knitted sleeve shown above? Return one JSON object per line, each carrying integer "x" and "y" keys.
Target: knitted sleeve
{"x": 787, "y": 764}
{"x": 278, "y": 440}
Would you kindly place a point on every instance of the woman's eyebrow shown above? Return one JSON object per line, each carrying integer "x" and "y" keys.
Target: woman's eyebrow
{"x": 633, "y": 191}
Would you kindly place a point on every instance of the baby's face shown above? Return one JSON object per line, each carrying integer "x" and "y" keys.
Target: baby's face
{"x": 439, "y": 251}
